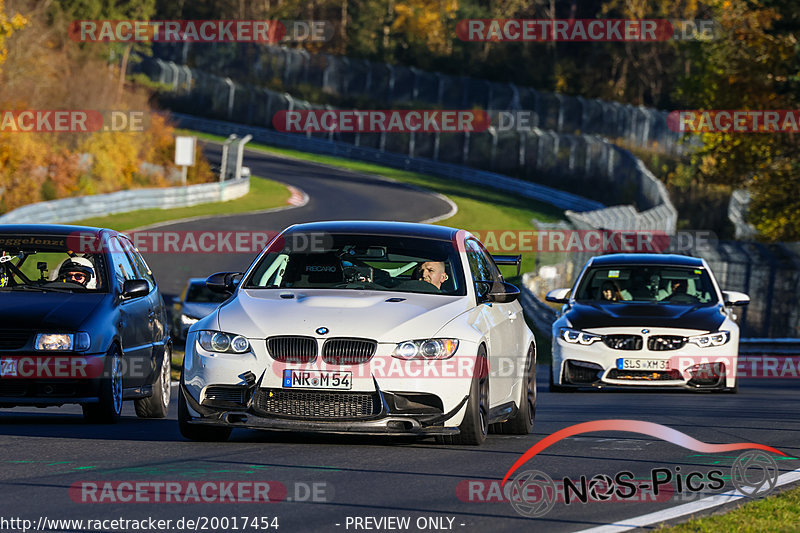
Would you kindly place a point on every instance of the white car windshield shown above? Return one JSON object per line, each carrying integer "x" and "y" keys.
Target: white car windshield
{"x": 643, "y": 283}
{"x": 361, "y": 262}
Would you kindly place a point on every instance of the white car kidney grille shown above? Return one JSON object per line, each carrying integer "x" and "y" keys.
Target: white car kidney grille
{"x": 623, "y": 342}
{"x": 313, "y": 404}
{"x": 292, "y": 349}
{"x": 663, "y": 343}
{"x": 348, "y": 351}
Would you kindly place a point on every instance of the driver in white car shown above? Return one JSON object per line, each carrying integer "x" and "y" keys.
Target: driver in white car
{"x": 433, "y": 272}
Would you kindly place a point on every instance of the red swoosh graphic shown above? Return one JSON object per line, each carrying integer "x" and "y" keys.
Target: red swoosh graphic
{"x": 634, "y": 426}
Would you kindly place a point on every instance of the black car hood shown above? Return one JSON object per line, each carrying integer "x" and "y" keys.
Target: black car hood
{"x": 599, "y": 315}
{"x": 46, "y": 310}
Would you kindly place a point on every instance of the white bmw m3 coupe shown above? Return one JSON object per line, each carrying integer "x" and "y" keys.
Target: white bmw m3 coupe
{"x": 645, "y": 320}
{"x": 363, "y": 327}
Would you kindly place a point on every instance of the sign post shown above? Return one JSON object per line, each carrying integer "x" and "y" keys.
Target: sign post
{"x": 184, "y": 154}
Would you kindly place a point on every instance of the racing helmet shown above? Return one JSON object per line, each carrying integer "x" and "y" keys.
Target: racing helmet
{"x": 79, "y": 264}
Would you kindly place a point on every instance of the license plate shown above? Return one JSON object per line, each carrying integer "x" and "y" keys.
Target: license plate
{"x": 8, "y": 367}
{"x": 316, "y": 379}
{"x": 642, "y": 364}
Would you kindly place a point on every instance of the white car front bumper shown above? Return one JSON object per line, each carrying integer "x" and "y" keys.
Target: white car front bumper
{"x": 386, "y": 395}
{"x": 600, "y": 365}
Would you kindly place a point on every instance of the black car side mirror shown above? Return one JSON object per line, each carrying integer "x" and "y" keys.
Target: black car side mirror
{"x": 135, "y": 288}
{"x": 498, "y": 291}
{"x": 222, "y": 282}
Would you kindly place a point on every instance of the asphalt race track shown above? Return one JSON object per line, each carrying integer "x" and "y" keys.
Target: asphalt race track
{"x": 349, "y": 483}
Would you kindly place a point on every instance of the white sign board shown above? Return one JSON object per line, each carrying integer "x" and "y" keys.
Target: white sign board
{"x": 184, "y": 151}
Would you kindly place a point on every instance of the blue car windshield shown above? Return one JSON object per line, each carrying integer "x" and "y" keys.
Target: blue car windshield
{"x": 362, "y": 262}
{"x": 643, "y": 283}
{"x": 46, "y": 263}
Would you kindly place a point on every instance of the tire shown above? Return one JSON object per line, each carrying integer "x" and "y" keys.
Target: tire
{"x": 522, "y": 422}
{"x": 195, "y": 432}
{"x": 558, "y": 388}
{"x": 475, "y": 426}
{"x": 157, "y": 405}
{"x": 109, "y": 409}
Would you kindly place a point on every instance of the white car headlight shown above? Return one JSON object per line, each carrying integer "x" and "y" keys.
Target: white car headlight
{"x": 576, "y": 336}
{"x": 62, "y": 342}
{"x": 188, "y": 321}
{"x": 221, "y": 342}
{"x": 426, "y": 349}
{"x": 710, "y": 339}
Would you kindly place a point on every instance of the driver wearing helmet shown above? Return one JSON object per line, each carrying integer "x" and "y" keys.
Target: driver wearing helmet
{"x": 78, "y": 270}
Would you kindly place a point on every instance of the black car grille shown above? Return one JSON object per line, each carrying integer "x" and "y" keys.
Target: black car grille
{"x": 14, "y": 339}
{"x": 644, "y": 375}
{"x": 623, "y": 342}
{"x": 663, "y": 343}
{"x": 292, "y": 349}
{"x": 313, "y": 404}
{"x": 580, "y": 372}
{"x": 348, "y": 351}
{"x": 224, "y": 396}
{"x": 13, "y": 387}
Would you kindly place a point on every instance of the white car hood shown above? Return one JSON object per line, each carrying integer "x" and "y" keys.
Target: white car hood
{"x": 261, "y": 313}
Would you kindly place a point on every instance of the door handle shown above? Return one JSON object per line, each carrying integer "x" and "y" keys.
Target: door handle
{"x": 151, "y": 315}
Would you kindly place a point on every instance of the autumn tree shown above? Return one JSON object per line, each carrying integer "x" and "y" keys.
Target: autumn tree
{"x": 754, "y": 64}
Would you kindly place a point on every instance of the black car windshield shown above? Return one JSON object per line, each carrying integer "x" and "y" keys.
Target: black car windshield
{"x": 45, "y": 263}
{"x": 361, "y": 262}
{"x": 643, "y": 283}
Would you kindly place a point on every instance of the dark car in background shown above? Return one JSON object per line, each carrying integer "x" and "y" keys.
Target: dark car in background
{"x": 81, "y": 322}
{"x": 195, "y": 301}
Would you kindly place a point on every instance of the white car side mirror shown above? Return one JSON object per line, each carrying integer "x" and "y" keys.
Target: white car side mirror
{"x": 733, "y": 298}
{"x": 558, "y": 296}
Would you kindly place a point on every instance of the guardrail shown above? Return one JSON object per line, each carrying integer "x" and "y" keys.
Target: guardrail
{"x": 560, "y": 161}
{"x": 560, "y": 199}
{"x": 98, "y": 205}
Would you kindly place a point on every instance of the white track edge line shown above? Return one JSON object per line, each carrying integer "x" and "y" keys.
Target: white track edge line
{"x": 685, "y": 509}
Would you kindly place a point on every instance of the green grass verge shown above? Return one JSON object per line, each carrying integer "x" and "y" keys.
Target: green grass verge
{"x": 264, "y": 194}
{"x": 774, "y": 513}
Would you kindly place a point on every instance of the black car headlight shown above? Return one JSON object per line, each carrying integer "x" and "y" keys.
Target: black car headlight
{"x": 576, "y": 336}
{"x": 62, "y": 342}
{"x": 426, "y": 349}
{"x": 221, "y": 342}
{"x": 710, "y": 339}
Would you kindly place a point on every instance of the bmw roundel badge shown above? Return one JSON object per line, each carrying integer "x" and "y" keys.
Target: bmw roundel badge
{"x": 645, "y": 331}
{"x": 322, "y": 331}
